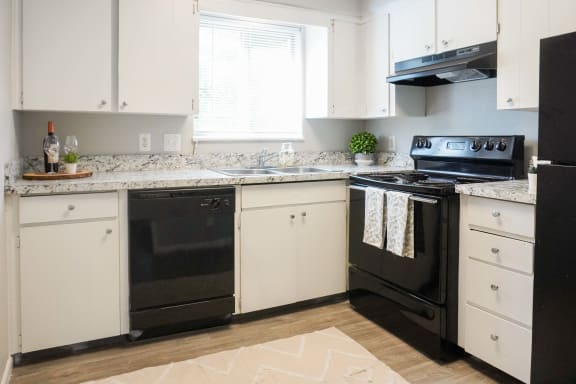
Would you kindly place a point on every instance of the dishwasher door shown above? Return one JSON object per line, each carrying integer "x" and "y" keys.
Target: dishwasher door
{"x": 181, "y": 247}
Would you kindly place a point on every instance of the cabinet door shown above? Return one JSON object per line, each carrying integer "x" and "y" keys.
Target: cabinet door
{"x": 70, "y": 289}
{"x": 521, "y": 28}
{"x": 269, "y": 260}
{"x": 67, "y": 55}
{"x": 461, "y": 23}
{"x": 321, "y": 250}
{"x": 158, "y": 56}
{"x": 345, "y": 70}
{"x": 412, "y": 29}
{"x": 562, "y": 16}
{"x": 376, "y": 66}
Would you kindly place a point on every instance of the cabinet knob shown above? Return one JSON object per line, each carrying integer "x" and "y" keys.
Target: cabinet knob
{"x": 428, "y": 47}
{"x": 71, "y": 207}
{"x": 445, "y": 43}
{"x": 494, "y": 337}
{"x": 123, "y": 105}
{"x": 495, "y": 214}
{"x": 303, "y": 214}
{"x": 494, "y": 250}
{"x": 108, "y": 231}
{"x": 102, "y": 103}
{"x": 384, "y": 110}
{"x": 509, "y": 100}
{"x": 494, "y": 287}
{"x": 292, "y": 217}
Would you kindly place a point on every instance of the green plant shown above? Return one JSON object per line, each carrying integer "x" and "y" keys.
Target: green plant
{"x": 363, "y": 142}
{"x": 71, "y": 158}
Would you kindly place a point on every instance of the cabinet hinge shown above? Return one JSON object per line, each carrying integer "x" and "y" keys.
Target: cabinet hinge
{"x": 193, "y": 104}
{"x": 20, "y": 340}
{"x": 333, "y": 109}
{"x": 497, "y": 28}
{"x": 18, "y": 242}
{"x": 22, "y": 99}
{"x": 195, "y": 7}
{"x": 332, "y": 23}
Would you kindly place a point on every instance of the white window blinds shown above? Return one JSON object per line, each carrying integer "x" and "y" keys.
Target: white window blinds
{"x": 250, "y": 80}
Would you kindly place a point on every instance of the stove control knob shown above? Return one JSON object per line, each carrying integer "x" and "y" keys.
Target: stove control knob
{"x": 475, "y": 146}
{"x": 420, "y": 142}
{"x": 428, "y": 144}
{"x": 489, "y": 145}
{"x": 501, "y": 146}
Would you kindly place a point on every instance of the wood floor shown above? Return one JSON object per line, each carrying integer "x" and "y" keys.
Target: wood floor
{"x": 415, "y": 367}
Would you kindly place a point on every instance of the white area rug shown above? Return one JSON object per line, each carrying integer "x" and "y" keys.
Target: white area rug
{"x": 327, "y": 356}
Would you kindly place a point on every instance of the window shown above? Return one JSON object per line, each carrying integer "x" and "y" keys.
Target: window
{"x": 250, "y": 80}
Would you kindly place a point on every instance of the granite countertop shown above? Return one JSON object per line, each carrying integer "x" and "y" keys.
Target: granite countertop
{"x": 513, "y": 190}
{"x": 110, "y": 181}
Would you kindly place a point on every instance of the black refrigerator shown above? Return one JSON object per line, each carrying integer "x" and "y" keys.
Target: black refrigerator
{"x": 554, "y": 322}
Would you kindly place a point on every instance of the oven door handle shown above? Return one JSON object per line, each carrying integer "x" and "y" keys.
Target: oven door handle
{"x": 412, "y": 197}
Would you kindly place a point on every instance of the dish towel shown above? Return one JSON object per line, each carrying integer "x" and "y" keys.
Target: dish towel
{"x": 400, "y": 223}
{"x": 374, "y": 217}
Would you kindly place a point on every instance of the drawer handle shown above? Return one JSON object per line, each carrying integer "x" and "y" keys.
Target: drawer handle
{"x": 495, "y": 250}
{"x": 71, "y": 207}
{"x": 495, "y": 214}
{"x": 494, "y": 287}
{"x": 494, "y": 337}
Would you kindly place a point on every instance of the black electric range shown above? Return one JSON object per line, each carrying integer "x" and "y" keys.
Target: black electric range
{"x": 418, "y": 298}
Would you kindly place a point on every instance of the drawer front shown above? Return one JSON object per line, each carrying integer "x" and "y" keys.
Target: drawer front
{"x": 505, "y": 216}
{"x": 504, "y": 292}
{"x": 503, "y": 344}
{"x": 267, "y": 195}
{"x": 502, "y": 251}
{"x": 43, "y": 209}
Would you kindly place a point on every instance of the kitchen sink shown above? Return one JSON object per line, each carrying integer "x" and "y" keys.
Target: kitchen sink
{"x": 245, "y": 171}
{"x": 293, "y": 170}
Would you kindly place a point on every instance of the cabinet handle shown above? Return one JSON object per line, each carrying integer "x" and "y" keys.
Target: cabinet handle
{"x": 495, "y": 214}
{"x": 494, "y": 337}
{"x": 445, "y": 43}
{"x": 494, "y": 287}
{"x": 71, "y": 207}
{"x": 303, "y": 214}
{"x": 494, "y": 250}
{"x": 108, "y": 231}
{"x": 123, "y": 105}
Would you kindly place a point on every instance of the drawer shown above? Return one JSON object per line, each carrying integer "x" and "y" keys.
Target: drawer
{"x": 502, "y": 251}
{"x": 504, "y": 292}
{"x": 503, "y": 344}
{"x": 267, "y": 195}
{"x": 43, "y": 209}
{"x": 505, "y": 216}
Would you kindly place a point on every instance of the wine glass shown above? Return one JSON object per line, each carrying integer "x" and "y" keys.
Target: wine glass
{"x": 71, "y": 144}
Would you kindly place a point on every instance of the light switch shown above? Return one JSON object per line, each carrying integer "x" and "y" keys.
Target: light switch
{"x": 144, "y": 142}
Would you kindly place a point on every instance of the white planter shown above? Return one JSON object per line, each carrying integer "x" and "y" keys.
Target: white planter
{"x": 70, "y": 168}
{"x": 364, "y": 159}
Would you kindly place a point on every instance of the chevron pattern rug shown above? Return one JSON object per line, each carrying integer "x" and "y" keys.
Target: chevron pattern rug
{"x": 327, "y": 356}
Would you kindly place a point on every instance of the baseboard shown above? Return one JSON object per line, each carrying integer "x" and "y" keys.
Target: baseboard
{"x": 7, "y": 371}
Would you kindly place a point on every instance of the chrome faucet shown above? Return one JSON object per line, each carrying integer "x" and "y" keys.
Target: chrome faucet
{"x": 263, "y": 156}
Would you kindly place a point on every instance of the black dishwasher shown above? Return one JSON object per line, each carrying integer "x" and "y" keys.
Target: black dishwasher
{"x": 181, "y": 259}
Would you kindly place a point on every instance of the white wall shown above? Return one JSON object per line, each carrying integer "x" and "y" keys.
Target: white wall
{"x": 460, "y": 109}
{"x": 7, "y": 152}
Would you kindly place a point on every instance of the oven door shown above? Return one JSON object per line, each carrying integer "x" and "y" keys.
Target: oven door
{"x": 425, "y": 274}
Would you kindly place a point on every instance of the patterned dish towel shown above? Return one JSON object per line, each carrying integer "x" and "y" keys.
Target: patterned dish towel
{"x": 375, "y": 217}
{"x": 400, "y": 223}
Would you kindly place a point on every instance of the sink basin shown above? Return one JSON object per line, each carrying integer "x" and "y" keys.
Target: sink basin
{"x": 294, "y": 170}
{"x": 244, "y": 172}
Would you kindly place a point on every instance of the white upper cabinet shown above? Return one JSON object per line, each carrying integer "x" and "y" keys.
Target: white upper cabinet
{"x": 66, "y": 55}
{"x": 158, "y": 56}
{"x": 522, "y": 24}
{"x": 412, "y": 29}
{"x": 562, "y": 16}
{"x": 462, "y": 23}
{"x": 376, "y": 64}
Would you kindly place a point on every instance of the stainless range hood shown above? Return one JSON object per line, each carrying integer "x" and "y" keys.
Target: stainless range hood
{"x": 465, "y": 64}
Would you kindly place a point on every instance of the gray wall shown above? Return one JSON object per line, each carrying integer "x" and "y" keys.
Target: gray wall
{"x": 460, "y": 109}
{"x": 7, "y": 152}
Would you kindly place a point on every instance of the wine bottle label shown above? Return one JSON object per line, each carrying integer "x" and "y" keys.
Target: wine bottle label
{"x": 53, "y": 153}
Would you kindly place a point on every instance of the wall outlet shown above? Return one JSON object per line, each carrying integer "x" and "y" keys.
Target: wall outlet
{"x": 172, "y": 142}
{"x": 144, "y": 142}
{"x": 391, "y": 143}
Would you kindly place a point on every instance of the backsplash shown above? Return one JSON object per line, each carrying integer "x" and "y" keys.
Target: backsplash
{"x": 119, "y": 163}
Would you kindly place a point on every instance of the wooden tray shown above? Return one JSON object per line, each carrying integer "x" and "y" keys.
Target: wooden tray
{"x": 56, "y": 176}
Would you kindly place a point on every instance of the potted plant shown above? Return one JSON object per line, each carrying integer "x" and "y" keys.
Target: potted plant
{"x": 363, "y": 146}
{"x": 71, "y": 162}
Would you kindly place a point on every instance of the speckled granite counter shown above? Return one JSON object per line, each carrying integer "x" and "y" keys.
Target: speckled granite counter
{"x": 110, "y": 181}
{"x": 514, "y": 190}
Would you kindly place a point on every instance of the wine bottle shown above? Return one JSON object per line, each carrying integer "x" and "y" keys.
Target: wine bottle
{"x": 51, "y": 148}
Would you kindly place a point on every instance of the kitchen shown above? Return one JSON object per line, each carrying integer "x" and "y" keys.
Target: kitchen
{"x": 131, "y": 132}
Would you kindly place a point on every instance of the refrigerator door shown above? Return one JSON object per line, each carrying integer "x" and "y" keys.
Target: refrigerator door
{"x": 554, "y": 322}
{"x": 557, "y": 125}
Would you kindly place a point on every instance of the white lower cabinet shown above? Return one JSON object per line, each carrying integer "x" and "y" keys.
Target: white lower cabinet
{"x": 291, "y": 253}
{"x": 497, "y": 283}
{"x": 69, "y": 277}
